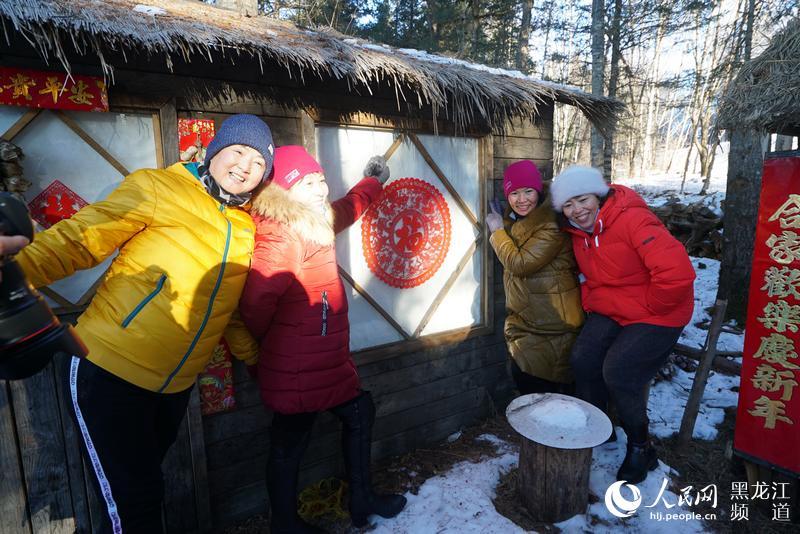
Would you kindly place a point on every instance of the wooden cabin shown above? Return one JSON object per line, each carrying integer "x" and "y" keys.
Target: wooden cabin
{"x": 431, "y": 351}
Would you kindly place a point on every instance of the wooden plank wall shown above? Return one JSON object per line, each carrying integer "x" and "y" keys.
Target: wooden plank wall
{"x": 45, "y": 484}
{"x": 524, "y": 140}
{"x": 421, "y": 396}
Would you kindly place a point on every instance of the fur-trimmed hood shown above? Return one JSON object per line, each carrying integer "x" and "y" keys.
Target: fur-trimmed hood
{"x": 273, "y": 202}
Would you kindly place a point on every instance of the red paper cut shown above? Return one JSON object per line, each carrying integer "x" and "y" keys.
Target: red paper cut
{"x": 55, "y": 203}
{"x": 406, "y": 235}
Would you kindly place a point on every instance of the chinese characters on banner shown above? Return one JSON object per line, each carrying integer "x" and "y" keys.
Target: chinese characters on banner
{"x": 768, "y": 417}
{"x": 194, "y": 135}
{"x": 53, "y": 90}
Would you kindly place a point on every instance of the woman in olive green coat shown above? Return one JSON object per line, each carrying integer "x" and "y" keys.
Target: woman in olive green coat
{"x": 543, "y": 306}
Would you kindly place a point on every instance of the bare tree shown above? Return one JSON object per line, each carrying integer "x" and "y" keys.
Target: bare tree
{"x": 524, "y": 37}
{"x": 613, "y": 79}
{"x": 598, "y": 68}
{"x": 745, "y": 162}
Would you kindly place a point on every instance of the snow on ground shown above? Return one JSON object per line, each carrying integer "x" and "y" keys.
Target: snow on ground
{"x": 705, "y": 293}
{"x": 668, "y": 400}
{"x": 460, "y": 501}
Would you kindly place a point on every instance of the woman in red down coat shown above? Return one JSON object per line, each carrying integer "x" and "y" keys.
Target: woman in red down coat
{"x": 295, "y": 306}
{"x": 637, "y": 289}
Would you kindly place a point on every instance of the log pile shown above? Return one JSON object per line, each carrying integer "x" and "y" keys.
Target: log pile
{"x": 694, "y": 225}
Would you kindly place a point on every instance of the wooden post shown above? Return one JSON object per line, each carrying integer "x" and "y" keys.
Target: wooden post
{"x": 701, "y": 376}
{"x": 553, "y": 483}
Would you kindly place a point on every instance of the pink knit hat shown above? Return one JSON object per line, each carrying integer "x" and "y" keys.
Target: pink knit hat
{"x": 520, "y": 174}
{"x": 292, "y": 163}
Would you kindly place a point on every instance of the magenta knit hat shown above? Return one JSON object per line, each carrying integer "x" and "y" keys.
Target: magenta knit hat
{"x": 292, "y": 163}
{"x": 521, "y": 174}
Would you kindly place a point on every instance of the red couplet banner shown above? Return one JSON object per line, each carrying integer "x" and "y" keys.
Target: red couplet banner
{"x": 768, "y": 417}
{"x": 53, "y": 90}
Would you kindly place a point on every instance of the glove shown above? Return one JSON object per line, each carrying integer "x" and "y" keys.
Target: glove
{"x": 377, "y": 167}
{"x": 494, "y": 221}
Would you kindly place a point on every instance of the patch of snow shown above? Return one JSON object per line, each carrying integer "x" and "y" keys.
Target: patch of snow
{"x": 443, "y": 60}
{"x": 668, "y": 400}
{"x": 149, "y": 10}
{"x": 453, "y": 437}
{"x": 559, "y": 413}
{"x": 460, "y": 501}
{"x": 376, "y": 47}
{"x": 705, "y": 294}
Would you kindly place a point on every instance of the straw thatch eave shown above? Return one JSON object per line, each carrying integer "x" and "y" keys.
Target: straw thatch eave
{"x": 191, "y": 32}
{"x": 765, "y": 94}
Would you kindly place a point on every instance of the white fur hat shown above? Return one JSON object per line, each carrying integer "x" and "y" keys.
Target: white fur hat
{"x": 577, "y": 180}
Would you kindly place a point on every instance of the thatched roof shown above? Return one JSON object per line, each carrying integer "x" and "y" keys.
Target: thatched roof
{"x": 765, "y": 94}
{"x": 186, "y": 32}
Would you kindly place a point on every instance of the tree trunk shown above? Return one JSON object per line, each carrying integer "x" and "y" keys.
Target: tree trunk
{"x": 523, "y": 53}
{"x": 598, "y": 67}
{"x": 553, "y": 483}
{"x": 745, "y": 161}
{"x": 548, "y": 25}
{"x": 608, "y": 151}
{"x": 748, "y": 31}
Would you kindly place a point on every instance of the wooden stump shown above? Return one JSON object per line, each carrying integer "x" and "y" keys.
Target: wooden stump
{"x": 558, "y": 433}
{"x": 553, "y": 483}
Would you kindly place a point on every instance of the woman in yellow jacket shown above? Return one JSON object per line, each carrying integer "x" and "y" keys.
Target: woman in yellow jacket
{"x": 543, "y": 305}
{"x": 185, "y": 245}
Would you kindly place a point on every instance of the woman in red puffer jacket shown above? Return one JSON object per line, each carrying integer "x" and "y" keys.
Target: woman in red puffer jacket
{"x": 294, "y": 304}
{"x": 637, "y": 289}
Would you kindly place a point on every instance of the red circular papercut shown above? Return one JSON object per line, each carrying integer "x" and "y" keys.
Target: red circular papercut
{"x": 405, "y": 236}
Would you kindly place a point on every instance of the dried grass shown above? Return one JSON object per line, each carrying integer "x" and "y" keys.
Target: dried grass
{"x": 192, "y": 31}
{"x": 765, "y": 94}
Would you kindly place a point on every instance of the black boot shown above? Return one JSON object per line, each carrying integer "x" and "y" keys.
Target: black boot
{"x": 640, "y": 456}
{"x": 287, "y": 446}
{"x": 358, "y": 416}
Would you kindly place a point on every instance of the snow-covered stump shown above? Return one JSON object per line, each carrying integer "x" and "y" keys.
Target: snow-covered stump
{"x": 558, "y": 433}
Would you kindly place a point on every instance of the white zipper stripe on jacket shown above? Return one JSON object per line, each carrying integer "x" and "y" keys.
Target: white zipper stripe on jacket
{"x": 105, "y": 486}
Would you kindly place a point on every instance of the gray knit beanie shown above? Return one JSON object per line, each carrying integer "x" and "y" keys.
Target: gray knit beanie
{"x": 246, "y": 130}
{"x": 577, "y": 180}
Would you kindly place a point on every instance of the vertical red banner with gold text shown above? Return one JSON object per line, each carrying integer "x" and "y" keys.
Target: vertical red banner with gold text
{"x": 768, "y": 416}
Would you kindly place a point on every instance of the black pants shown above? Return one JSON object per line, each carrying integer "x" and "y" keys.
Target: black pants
{"x": 125, "y": 433}
{"x": 289, "y": 438}
{"x": 527, "y": 383}
{"x": 611, "y": 360}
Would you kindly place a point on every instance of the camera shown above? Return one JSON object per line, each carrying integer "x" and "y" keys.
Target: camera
{"x": 30, "y": 334}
